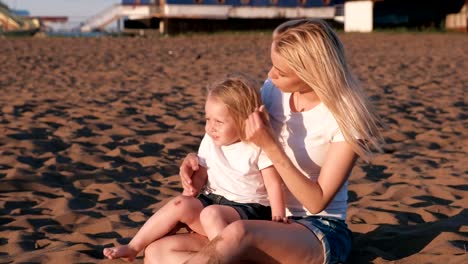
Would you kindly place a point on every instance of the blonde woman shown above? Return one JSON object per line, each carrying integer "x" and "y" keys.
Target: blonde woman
{"x": 320, "y": 122}
{"x": 238, "y": 180}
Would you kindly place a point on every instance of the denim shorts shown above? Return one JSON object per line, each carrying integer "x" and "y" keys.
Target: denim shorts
{"x": 333, "y": 233}
{"x": 251, "y": 211}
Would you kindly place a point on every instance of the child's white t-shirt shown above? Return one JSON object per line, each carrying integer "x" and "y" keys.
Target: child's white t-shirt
{"x": 234, "y": 171}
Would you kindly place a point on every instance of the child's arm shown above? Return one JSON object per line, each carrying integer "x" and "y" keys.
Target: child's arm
{"x": 273, "y": 185}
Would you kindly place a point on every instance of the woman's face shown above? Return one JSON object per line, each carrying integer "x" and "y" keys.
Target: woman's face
{"x": 283, "y": 76}
{"x": 220, "y": 125}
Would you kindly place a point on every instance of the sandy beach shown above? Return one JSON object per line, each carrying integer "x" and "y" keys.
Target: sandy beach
{"x": 92, "y": 132}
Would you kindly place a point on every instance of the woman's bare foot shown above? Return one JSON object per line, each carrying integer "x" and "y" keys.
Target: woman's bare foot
{"x": 120, "y": 252}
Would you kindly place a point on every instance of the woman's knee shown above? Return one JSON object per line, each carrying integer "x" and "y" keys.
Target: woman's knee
{"x": 153, "y": 253}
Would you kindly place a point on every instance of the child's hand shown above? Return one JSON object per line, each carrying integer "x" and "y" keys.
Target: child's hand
{"x": 192, "y": 176}
{"x": 280, "y": 219}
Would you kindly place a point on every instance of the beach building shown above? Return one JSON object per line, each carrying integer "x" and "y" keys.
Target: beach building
{"x": 175, "y": 15}
{"x": 12, "y": 23}
{"x": 20, "y": 22}
{"x": 364, "y": 16}
{"x": 355, "y": 16}
{"x": 458, "y": 21}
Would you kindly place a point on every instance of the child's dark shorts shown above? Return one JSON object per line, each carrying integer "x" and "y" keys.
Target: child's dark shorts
{"x": 251, "y": 211}
{"x": 333, "y": 233}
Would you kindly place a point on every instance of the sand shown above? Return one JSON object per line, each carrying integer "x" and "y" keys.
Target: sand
{"x": 92, "y": 132}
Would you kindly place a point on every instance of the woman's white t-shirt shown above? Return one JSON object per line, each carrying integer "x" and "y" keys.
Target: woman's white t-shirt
{"x": 306, "y": 137}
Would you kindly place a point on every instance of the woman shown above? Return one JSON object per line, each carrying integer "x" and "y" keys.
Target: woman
{"x": 320, "y": 122}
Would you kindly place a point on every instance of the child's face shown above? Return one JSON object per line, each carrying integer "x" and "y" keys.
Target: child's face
{"x": 220, "y": 125}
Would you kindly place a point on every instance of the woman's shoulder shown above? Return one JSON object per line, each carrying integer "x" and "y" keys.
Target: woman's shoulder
{"x": 268, "y": 87}
{"x": 270, "y": 94}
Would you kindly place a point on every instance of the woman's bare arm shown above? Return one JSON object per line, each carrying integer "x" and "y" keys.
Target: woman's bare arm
{"x": 273, "y": 185}
{"x": 315, "y": 196}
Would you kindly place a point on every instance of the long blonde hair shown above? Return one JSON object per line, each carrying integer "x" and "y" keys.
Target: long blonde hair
{"x": 317, "y": 56}
{"x": 240, "y": 97}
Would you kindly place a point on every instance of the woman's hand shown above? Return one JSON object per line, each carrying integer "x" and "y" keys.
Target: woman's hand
{"x": 258, "y": 129}
{"x": 280, "y": 219}
{"x": 188, "y": 169}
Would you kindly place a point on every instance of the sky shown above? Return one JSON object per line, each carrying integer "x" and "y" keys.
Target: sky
{"x": 77, "y": 10}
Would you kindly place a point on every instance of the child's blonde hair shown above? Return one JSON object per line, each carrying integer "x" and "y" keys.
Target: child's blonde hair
{"x": 240, "y": 97}
{"x": 317, "y": 56}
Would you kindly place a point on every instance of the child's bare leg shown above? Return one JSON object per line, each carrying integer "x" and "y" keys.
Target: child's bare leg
{"x": 215, "y": 218}
{"x": 183, "y": 209}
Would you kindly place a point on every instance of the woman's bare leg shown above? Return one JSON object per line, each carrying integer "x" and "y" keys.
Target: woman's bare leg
{"x": 262, "y": 242}
{"x": 174, "y": 249}
{"x": 183, "y": 209}
{"x": 215, "y": 218}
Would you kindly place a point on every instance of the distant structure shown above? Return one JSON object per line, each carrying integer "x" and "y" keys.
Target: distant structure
{"x": 415, "y": 13}
{"x": 12, "y": 24}
{"x": 128, "y": 10}
{"x": 20, "y": 22}
{"x": 171, "y": 15}
{"x": 458, "y": 21}
{"x": 363, "y": 16}
{"x": 357, "y": 16}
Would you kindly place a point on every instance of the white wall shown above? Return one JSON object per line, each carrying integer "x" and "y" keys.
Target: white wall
{"x": 358, "y": 16}
{"x": 458, "y": 21}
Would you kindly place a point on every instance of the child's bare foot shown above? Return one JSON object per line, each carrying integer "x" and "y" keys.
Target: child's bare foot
{"x": 120, "y": 252}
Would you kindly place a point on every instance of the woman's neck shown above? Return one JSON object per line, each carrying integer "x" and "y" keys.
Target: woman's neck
{"x": 303, "y": 101}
